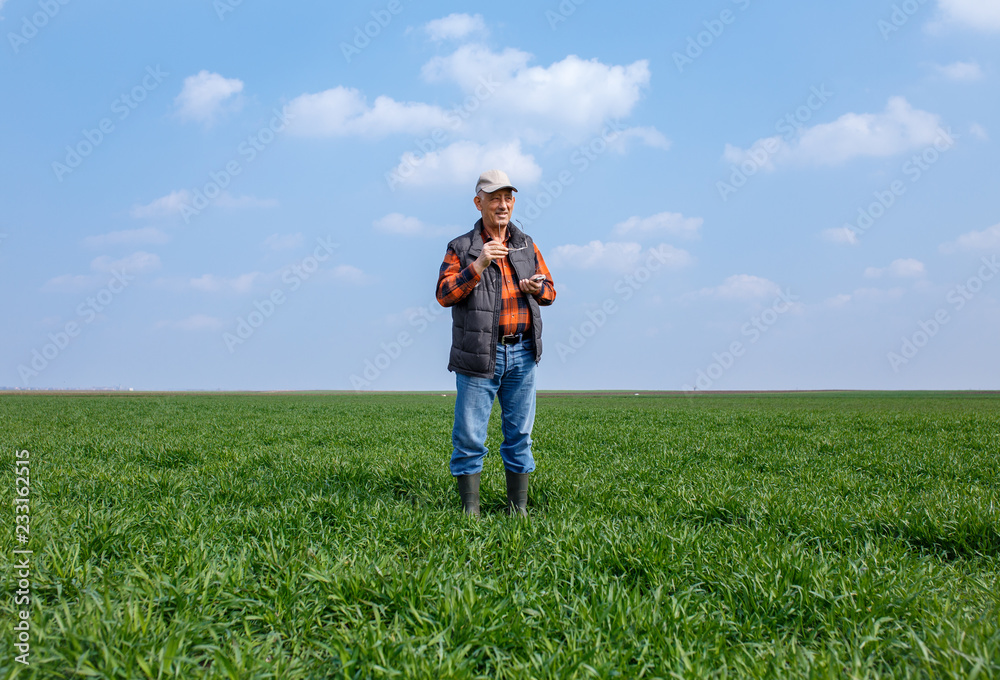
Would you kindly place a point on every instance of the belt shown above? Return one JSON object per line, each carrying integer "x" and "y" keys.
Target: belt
{"x": 512, "y": 339}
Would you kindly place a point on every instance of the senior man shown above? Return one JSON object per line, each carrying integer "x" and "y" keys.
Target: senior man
{"x": 494, "y": 279}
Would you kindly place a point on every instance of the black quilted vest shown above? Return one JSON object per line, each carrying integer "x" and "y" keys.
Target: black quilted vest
{"x": 476, "y": 319}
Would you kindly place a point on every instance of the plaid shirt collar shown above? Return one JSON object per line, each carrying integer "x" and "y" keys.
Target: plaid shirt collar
{"x": 515, "y": 238}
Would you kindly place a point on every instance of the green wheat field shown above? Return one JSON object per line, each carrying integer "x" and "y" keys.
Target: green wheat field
{"x": 826, "y": 535}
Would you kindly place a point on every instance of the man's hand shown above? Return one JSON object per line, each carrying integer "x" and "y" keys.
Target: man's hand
{"x": 532, "y": 286}
{"x": 492, "y": 250}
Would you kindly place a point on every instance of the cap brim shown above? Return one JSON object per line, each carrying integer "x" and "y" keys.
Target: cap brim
{"x": 496, "y": 187}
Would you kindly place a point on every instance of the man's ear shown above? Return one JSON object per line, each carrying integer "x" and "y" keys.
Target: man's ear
{"x": 478, "y": 203}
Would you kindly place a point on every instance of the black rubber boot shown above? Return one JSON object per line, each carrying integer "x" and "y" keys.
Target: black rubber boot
{"x": 468, "y": 491}
{"x": 517, "y": 493}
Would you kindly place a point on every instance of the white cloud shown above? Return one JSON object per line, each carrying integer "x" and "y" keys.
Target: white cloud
{"x": 988, "y": 239}
{"x": 598, "y": 255}
{"x": 197, "y": 322}
{"x": 174, "y": 202}
{"x": 839, "y": 300}
{"x": 343, "y": 111}
{"x": 131, "y": 237}
{"x": 866, "y": 296}
{"x": 674, "y": 224}
{"x": 397, "y": 223}
{"x": 276, "y": 242}
{"x": 210, "y": 283}
{"x": 71, "y": 283}
{"x": 878, "y": 295}
{"x": 455, "y": 26}
{"x": 616, "y": 256}
{"x": 897, "y": 129}
{"x": 137, "y": 263}
{"x": 171, "y": 204}
{"x": 573, "y": 97}
{"x": 982, "y": 15}
{"x": 742, "y": 287}
{"x": 649, "y": 136}
{"x": 350, "y": 274}
{"x": 979, "y": 132}
{"x": 227, "y": 200}
{"x": 761, "y": 153}
{"x": 461, "y": 162}
{"x": 902, "y": 269}
{"x": 960, "y": 70}
{"x": 204, "y": 94}
{"x": 472, "y": 65}
{"x": 671, "y": 256}
{"x": 841, "y": 235}
{"x": 106, "y": 267}
{"x": 505, "y": 99}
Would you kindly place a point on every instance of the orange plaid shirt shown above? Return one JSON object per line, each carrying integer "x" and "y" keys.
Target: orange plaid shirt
{"x": 456, "y": 282}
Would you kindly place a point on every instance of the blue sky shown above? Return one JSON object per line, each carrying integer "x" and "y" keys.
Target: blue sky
{"x": 731, "y": 195}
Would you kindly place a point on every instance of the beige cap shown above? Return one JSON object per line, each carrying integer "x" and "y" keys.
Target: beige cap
{"x": 493, "y": 180}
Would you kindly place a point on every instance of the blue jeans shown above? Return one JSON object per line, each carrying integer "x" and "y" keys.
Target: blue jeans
{"x": 514, "y": 382}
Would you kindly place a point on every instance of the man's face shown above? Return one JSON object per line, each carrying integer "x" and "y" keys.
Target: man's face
{"x": 496, "y": 208}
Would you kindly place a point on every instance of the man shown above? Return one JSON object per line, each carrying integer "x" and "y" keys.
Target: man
{"x": 494, "y": 279}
